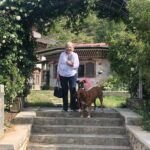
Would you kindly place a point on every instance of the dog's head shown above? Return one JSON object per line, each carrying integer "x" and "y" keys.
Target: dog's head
{"x": 81, "y": 83}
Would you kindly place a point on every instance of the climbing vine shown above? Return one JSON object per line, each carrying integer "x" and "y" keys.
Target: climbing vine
{"x": 17, "y": 45}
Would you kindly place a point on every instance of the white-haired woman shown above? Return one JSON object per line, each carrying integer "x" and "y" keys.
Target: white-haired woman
{"x": 67, "y": 73}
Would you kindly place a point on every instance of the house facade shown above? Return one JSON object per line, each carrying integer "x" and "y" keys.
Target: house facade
{"x": 94, "y": 65}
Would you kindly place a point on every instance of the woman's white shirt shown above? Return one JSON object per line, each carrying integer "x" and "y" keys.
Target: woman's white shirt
{"x": 66, "y": 70}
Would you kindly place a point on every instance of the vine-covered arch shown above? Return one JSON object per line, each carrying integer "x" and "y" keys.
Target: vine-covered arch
{"x": 17, "y": 18}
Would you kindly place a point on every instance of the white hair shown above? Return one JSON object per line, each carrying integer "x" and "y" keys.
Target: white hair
{"x": 69, "y": 44}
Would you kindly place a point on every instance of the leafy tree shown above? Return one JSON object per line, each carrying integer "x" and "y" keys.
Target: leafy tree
{"x": 112, "y": 9}
{"x": 139, "y": 24}
{"x": 61, "y": 33}
{"x": 129, "y": 43}
{"x": 107, "y": 28}
{"x": 129, "y": 48}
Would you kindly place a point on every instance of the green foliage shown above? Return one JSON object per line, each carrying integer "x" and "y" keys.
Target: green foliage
{"x": 139, "y": 24}
{"x": 12, "y": 79}
{"x": 114, "y": 10}
{"x": 107, "y": 28}
{"x": 60, "y": 33}
{"x": 17, "y": 18}
{"x": 126, "y": 52}
{"x": 114, "y": 83}
{"x": 129, "y": 47}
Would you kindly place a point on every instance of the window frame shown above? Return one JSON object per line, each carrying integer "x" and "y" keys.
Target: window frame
{"x": 85, "y": 66}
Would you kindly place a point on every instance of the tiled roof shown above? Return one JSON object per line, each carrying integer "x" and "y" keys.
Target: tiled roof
{"x": 89, "y": 50}
{"x": 46, "y": 41}
{"x": 91, "y": 45}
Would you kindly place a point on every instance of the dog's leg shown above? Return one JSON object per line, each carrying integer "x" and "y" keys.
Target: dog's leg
{"x": 101, "y": 102}
{"x": 82, "y": 111}
{"x": 94, "y": 104}
{"x": 89, "y": 111}
{"x": 81, "y": 114}
{"x": 79, "y": 106}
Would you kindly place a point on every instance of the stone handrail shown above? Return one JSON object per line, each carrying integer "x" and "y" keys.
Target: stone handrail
{"x": 1, "y": 110}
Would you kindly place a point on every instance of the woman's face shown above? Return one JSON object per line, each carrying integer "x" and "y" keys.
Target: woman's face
{"x": 69, "y": 49}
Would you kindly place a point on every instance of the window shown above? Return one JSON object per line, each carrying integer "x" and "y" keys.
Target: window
{"x": 90, "y": 69}
{"x": 81, "y": 70}
{"x": 86, "y": 69}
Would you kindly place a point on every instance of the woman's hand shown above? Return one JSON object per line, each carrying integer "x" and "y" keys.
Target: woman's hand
{"x": 69, "y": 62}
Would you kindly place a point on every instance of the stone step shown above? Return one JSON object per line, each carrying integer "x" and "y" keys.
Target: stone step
{"x": 32, "y": 146}
{"x": 50, "y": 113}
{"x": 80, "y": 139}
{"x": 78, "y": 129}
{"x": 56, "y": 130}
{"x": 78, "y": 121}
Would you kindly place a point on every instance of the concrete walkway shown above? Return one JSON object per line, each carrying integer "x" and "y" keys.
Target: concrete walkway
{"x": 17, "y": 137}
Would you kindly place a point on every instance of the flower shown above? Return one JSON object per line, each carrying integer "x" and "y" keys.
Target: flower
{"x": 3, "y": 11}
{"x": 25, "y": 15}
{"x": 21, "y": 10}
{"x": 2, "y": 2}
{"x": 3, "y": 41}
{"x": 18, "y": 18}
{"x": 12, "y": 35}
{"x": 12, "y": 8}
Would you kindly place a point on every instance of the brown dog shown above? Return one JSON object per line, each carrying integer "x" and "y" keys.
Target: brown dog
{"x": 86, "y": 98}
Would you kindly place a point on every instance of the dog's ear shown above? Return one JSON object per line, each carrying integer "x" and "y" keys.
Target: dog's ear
{"x": 84, "y": 81}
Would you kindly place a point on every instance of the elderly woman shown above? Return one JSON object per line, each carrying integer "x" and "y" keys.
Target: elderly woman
{"x": 67, "y": 74}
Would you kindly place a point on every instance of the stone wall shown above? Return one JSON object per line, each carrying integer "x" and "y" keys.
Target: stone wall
{"x": 136, "y": 143}
{"x": 116, "y": 93}
{"x": 135, "y": 104}
{"x": 1, "y": 110}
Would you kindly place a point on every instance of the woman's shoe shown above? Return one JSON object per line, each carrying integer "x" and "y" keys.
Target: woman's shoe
{"x": 64, "y": 110}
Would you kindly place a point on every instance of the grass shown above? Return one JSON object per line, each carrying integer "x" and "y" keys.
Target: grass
{"x": 45, "y": 98}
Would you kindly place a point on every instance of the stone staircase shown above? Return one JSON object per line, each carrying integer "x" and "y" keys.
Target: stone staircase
{"x": 56, "y": 130}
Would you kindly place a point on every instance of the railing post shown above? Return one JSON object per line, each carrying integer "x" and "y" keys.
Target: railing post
{"x": 140, "y": 84}
{"x": 1, "y": 110}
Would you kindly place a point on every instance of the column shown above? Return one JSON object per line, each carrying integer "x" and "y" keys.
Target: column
{"x": 1, "y": 110}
